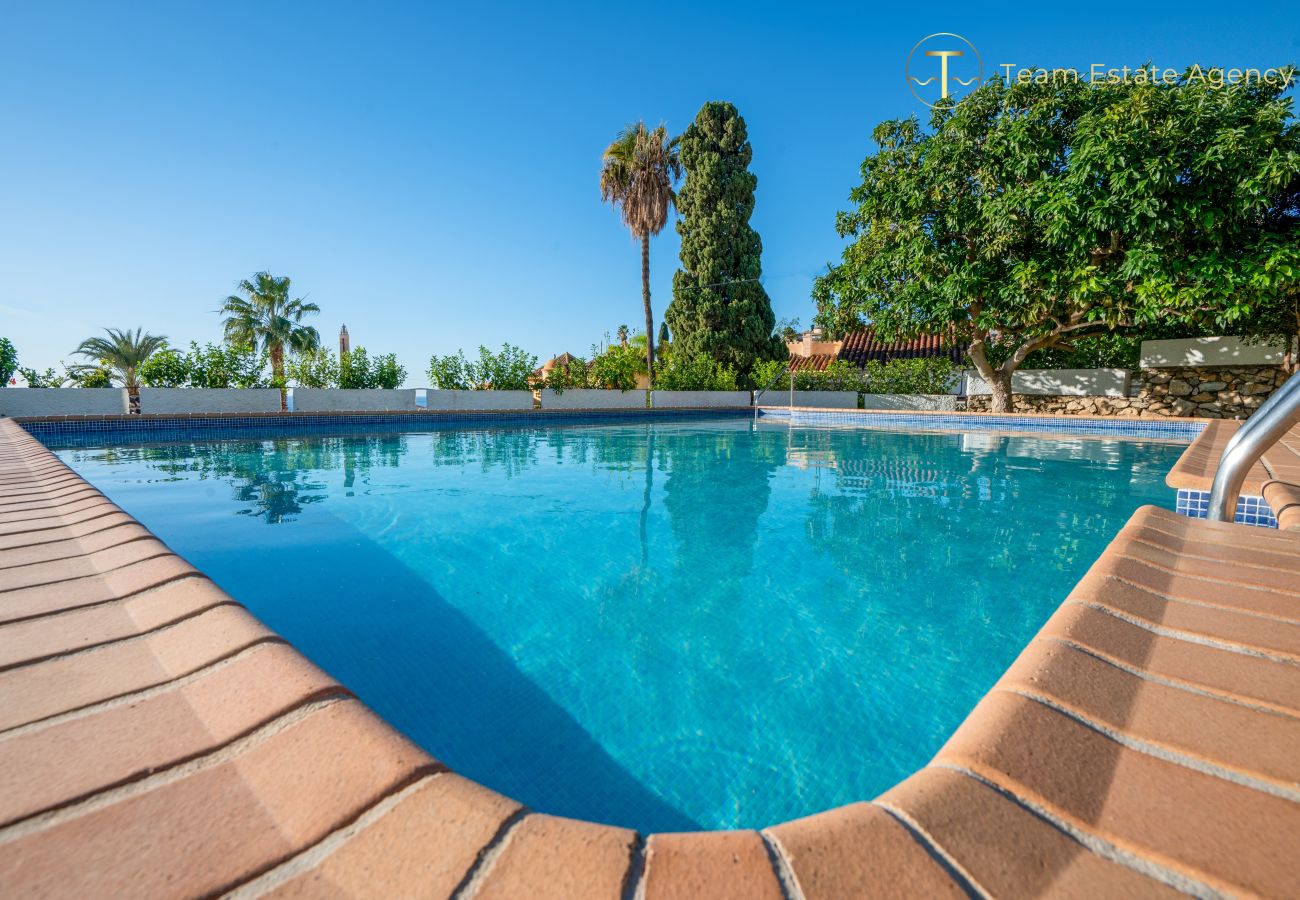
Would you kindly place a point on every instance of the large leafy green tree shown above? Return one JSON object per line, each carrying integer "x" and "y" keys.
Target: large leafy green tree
{"x": 265, "y": 315}
{"x": 8, "y": 361}
{"x": 121, "y": 353}
{"x": 719, "y": 308}
{"x": 1034, "y": 215}
{"x": 637, "y": 175}
{"x": 1277, "y": 319}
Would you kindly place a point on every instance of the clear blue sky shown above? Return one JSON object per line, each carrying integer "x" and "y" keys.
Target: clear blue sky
{"x": 428, "y": 174}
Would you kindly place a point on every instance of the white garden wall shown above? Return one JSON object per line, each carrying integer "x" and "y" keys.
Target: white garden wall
{"x": 351, "y": 399}
{"x": 938, "y": 402}
{"x": 584, "y": 398}
{"x": 439, "y": 399}
{"x": 698, "y": 399}
{"x": 164, "y": 401}
{"x": 814, "y": 399}
{"x": 1208, "y": 351}
{"x": 63, "y": 401}
{"x": 1058, "y": 383}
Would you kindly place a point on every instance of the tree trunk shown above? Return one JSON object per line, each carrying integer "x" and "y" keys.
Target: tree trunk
{"x": 277, "y": 374}
{"x": 649, "y": 316}
{"x": 1000, "y": 383}
{"x": 133, "y": 401}
{"x": 998, "y": 380}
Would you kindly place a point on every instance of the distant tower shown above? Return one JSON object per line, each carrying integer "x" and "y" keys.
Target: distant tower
{"x": 345, "y": 342}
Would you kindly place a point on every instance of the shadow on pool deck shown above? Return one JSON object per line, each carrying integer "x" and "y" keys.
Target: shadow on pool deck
{"x": 509, "y": 733}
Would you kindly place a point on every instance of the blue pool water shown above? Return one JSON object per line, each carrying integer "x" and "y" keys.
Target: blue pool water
{"x": 664, "y": 625}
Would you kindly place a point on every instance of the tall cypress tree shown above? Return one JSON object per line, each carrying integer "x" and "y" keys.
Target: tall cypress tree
{"x": 718, "y": 307}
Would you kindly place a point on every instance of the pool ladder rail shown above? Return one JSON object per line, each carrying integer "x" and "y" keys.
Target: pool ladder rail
{"x": 1265, "y": 427}
{"x": 779, "y": 375}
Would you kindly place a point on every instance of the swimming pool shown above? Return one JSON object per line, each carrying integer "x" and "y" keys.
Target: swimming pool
{"x": 666, "y": 625}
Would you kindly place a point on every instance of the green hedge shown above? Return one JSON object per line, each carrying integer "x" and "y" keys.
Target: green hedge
{"x": 899, "y": 376}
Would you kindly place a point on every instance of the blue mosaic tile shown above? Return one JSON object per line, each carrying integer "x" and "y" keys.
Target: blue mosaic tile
{"x": 1160, "y": 429}
{"x": 1250, "y": 510}
{"x": 92, "y": 432}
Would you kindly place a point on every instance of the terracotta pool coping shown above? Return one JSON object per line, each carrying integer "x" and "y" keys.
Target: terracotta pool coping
{"x": 1195, "y": 469}
{"x": 157, "y": 740}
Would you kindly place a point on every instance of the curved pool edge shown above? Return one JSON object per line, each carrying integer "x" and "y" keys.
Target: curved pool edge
{"x": 156, "y": 739}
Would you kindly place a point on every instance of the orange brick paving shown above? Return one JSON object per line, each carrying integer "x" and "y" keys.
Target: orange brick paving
{"x": 157, "y": 741}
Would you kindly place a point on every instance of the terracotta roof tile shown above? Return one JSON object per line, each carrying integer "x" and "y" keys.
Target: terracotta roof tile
{"x": 817, "y": 362}
{"x": 864, "y": 346}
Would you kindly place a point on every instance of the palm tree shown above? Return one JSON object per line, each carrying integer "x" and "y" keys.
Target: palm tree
{"x": 121, "y": 353}
{"x": 265, "y": 315}
{"x": 637, "y": 176}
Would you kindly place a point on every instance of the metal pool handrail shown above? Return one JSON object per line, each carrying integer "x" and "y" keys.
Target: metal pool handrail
{"x": 774, "y": 381}
{"x": 1279, "y": 414}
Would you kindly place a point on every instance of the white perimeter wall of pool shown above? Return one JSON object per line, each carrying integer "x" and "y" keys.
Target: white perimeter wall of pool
{"x": 1058, "y": 383}
{"x": 162, "y": 401}
{"x": 584, "y": 398}
{"x": 63, "y": 401}
{"x": 816, "y": 399}
{"x": 439, "y": 399}
{"x": 938, "y": 402}
{"x": 697, "y": 399}
{"x": 1208, "y": 351}
{"x": 351, "y": 399}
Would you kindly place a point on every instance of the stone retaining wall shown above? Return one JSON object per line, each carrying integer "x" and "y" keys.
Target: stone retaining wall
{"x": 1208, "y": 392}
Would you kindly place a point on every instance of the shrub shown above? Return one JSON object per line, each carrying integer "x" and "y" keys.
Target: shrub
{"x": 355, "y": 370}
{"x": 934, "y": 375}
{"x": 47, "y": 379}
{"x": 616, "y": 368}
{"x": 898, "y": 376}
{"x": 358, "y": 371}
{"x": 313, "y": 369}
{"x": 509, "y": 370}
{"x": 573, "y": 374}
{"x": 386, "y": 373}
{"x": 85, "y": 376}
{"x": 167, "y": 368}
{"x": 765, "y": 373}
{"x": 452, "y": 373}
{"x": 226, "y": 366}
{"x": 700, "y": 372}
{"x": 838, "y": 376}
{"x": 209, "y": 366}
